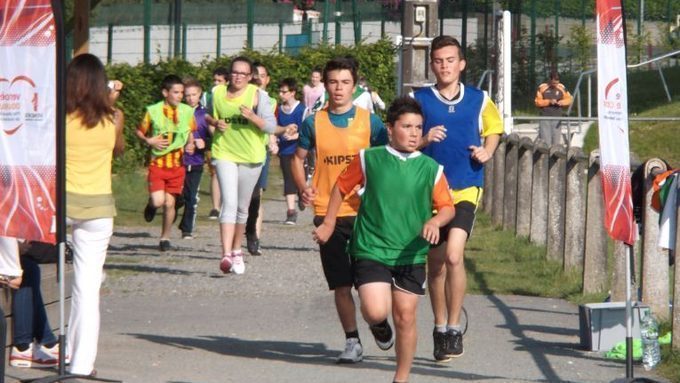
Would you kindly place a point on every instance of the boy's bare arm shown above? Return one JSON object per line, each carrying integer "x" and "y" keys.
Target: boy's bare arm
{"x": 322, "y": 233}
{"x": 435, "y": 134}
{"x": 482, "y": 154}
{"x": 431, "y": 227}
{"x": 308, "y": 193}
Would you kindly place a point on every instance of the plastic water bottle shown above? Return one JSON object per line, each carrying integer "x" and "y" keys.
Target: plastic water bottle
{"x": 649, "y": 332}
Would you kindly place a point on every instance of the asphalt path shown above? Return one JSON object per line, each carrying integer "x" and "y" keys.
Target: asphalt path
{"x": 174, "y": 317}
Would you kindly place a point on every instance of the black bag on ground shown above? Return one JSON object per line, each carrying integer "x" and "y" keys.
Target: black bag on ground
{"x": 42, "y": 252}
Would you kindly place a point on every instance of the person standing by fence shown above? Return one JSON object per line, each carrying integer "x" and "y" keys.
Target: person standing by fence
{"x": 461, "y": 131}
{"x": 551, "y": 97}
{"x": 94, "y": 133}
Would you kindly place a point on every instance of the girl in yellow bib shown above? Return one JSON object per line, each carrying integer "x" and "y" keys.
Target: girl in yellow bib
{"x": 244, "y": 117}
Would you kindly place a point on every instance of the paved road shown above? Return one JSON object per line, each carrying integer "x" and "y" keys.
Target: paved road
{"x": 175, "y": 318}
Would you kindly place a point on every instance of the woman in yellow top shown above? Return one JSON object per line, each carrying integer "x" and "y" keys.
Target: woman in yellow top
{"x": 94, "y": 132}
{"x": 244, "y": 117}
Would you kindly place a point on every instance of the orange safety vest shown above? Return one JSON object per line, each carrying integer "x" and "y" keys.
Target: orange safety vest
{"x": 335, "y": 149}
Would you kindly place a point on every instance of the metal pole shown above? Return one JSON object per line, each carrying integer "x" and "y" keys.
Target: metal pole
{"x": 463, "y": 32}
{"x": 583, "y": 13}
{"x": 629, "y": 317}
{"x": 109, "y": 44}
{"x": 532, "y": 46}
{"x": 590, "y": 93}
{"x": 558, "y": 7}
{"x": 355, "y": 23}
{"x": 184, "y": 41}
{"x": 178, "y": 26}
{"x": 61, "y": 173}
{"x": 147, "y": 31}
{"x": 280, "y": 37}
{"x": 219, "y": 39}
{"x": 250, "y": 11}
{"x": 485, "y": 45}
{"x": 338, "y": 27}
{"x": 326, "y": 11}
{"x": 441, "y": 17}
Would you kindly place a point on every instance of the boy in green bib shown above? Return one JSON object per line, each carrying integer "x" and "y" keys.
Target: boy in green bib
{"x": 400, "y": 187}
{"x": 166, "y": 129}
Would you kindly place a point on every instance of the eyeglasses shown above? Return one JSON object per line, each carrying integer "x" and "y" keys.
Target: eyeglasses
{"x": 240, "y": 74}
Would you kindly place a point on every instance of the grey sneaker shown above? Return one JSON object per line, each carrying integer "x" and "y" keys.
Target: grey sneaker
{"x": 353, "y": 351}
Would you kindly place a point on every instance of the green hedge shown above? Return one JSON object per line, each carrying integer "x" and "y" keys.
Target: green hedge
{"x": 142, "y": 81}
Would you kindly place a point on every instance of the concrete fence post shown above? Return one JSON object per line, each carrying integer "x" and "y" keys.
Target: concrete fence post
{"x": 595, "y": 258}
{"x": 655, "y": 289}
{"x": 510, "y": 193}
{"x": 539, "y": 194}
{"x": 575, "y": 209}
{"x": 487, "y": 197}
{"x": 618, "y": 289}
{"x": 556, "y": 202}
{"x": 498, "y": 182}
{"x": 524, "y": 180}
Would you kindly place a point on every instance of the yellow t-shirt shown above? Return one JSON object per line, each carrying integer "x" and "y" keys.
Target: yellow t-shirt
{"x": 89, "y": 153}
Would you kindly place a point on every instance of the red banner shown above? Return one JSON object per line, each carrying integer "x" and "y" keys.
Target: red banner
{"x": 613, "y": 121}
{"x": 27, "y": 120}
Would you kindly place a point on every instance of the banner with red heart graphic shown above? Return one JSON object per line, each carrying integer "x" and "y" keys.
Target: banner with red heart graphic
{"x": 27, "y": 120}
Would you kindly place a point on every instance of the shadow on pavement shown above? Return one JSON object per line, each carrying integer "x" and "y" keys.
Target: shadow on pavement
{"x": 304, "y": 353}
{"x": 538, "y": 350}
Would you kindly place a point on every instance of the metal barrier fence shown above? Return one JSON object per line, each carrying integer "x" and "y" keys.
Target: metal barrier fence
{"x": 553, "y": 196}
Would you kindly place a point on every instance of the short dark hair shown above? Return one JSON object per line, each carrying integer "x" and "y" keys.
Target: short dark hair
{"x": 290, "y": 83}
{"x": 169, "y": 81}
{"x": 342, "y": 63}
{"x": 443, "y": 41}
{"x": 402, "y": 105}
{"x": 317, "y": 69}
{"x": 243, "y": 59}
{"x": 221, "y": 71}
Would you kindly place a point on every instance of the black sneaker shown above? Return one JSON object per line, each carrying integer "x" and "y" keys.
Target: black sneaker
{"x": 441, "y": 346}
{"x": 253, "y": 245}
{"x": 291, "y": 217}
{"x": 214, "y": 214}
{"x": 384, "y": 336}
{"x": 164, "y": 245}
{"x": 149, "y": 212}
{"x": 455, "y": 343}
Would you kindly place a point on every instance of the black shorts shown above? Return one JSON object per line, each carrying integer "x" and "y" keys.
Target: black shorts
{"x": 335, "y": 260}
{"x": 409, "y": 278}
{"x": 464, "y": 219}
